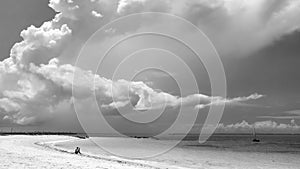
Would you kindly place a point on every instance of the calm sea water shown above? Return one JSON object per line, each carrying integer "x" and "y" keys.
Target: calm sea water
{"x": 281, "y": 143}
{"x": 220, "y": 151}
{"x": 268, "y": 143}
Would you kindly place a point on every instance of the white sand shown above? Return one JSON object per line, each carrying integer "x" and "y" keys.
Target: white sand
{"x": 22, "y": 152}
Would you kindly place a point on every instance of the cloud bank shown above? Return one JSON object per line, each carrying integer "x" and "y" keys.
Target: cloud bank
{"x": 261, "y": 126}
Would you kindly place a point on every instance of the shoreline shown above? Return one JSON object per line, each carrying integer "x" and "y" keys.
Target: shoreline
{"x": 51, "y": 145}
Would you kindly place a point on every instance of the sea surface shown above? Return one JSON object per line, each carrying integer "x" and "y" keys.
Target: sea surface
{"x": 281, "y": 143}
{"x": 219, "y": 151}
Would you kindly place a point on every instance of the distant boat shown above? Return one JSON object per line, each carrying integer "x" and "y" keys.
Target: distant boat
{"x": 255, "y": 139}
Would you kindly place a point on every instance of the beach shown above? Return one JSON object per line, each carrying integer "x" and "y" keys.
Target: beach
{"x": 24, "y": 152}
{"x": 57, "y": 152}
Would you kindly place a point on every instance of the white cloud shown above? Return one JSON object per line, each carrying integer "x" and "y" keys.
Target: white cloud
{"x": 8, "y": 105}
{"x": 262, "y": 126}
{"x": 97, "y": 14}
{"x": 218, "y": 100}
{"x": 39, "y": 45}
{"x": 279, "y": 117}
{"x": 292, "y": 114}
{"x": 123, "y": 4}
{"x": 43, "y": 87}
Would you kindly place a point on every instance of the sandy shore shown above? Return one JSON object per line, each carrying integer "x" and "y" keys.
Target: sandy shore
{"x": 23, "y": 152}
{"x": 57, "y": 152}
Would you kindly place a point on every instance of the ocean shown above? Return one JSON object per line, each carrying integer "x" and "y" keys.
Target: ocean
{"x": 281, "y": 143}
{"x": 225, "y": 150}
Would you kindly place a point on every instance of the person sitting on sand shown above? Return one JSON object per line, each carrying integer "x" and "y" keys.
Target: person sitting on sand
{"x": 77, "y": 150}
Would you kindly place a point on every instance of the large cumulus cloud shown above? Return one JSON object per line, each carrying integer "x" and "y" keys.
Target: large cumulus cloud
{"x": 41, "y": 89}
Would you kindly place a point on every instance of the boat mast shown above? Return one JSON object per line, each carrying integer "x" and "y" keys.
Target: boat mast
{"x": 254, "y": 133}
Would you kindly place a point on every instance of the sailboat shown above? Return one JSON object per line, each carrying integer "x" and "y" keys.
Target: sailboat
{"x": 255, "y": 139}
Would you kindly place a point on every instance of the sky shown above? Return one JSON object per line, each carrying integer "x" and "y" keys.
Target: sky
{"x": 45, "y": 44}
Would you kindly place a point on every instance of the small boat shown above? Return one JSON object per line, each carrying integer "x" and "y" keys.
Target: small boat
{"x": 255, "y": 139}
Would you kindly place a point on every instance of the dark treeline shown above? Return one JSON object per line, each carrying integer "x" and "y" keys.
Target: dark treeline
{"x": 37, "y": 133}
{"x": 79, "y": 135}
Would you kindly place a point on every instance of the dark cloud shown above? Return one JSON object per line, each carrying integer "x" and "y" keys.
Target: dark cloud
{"x": 273, "y": 71}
